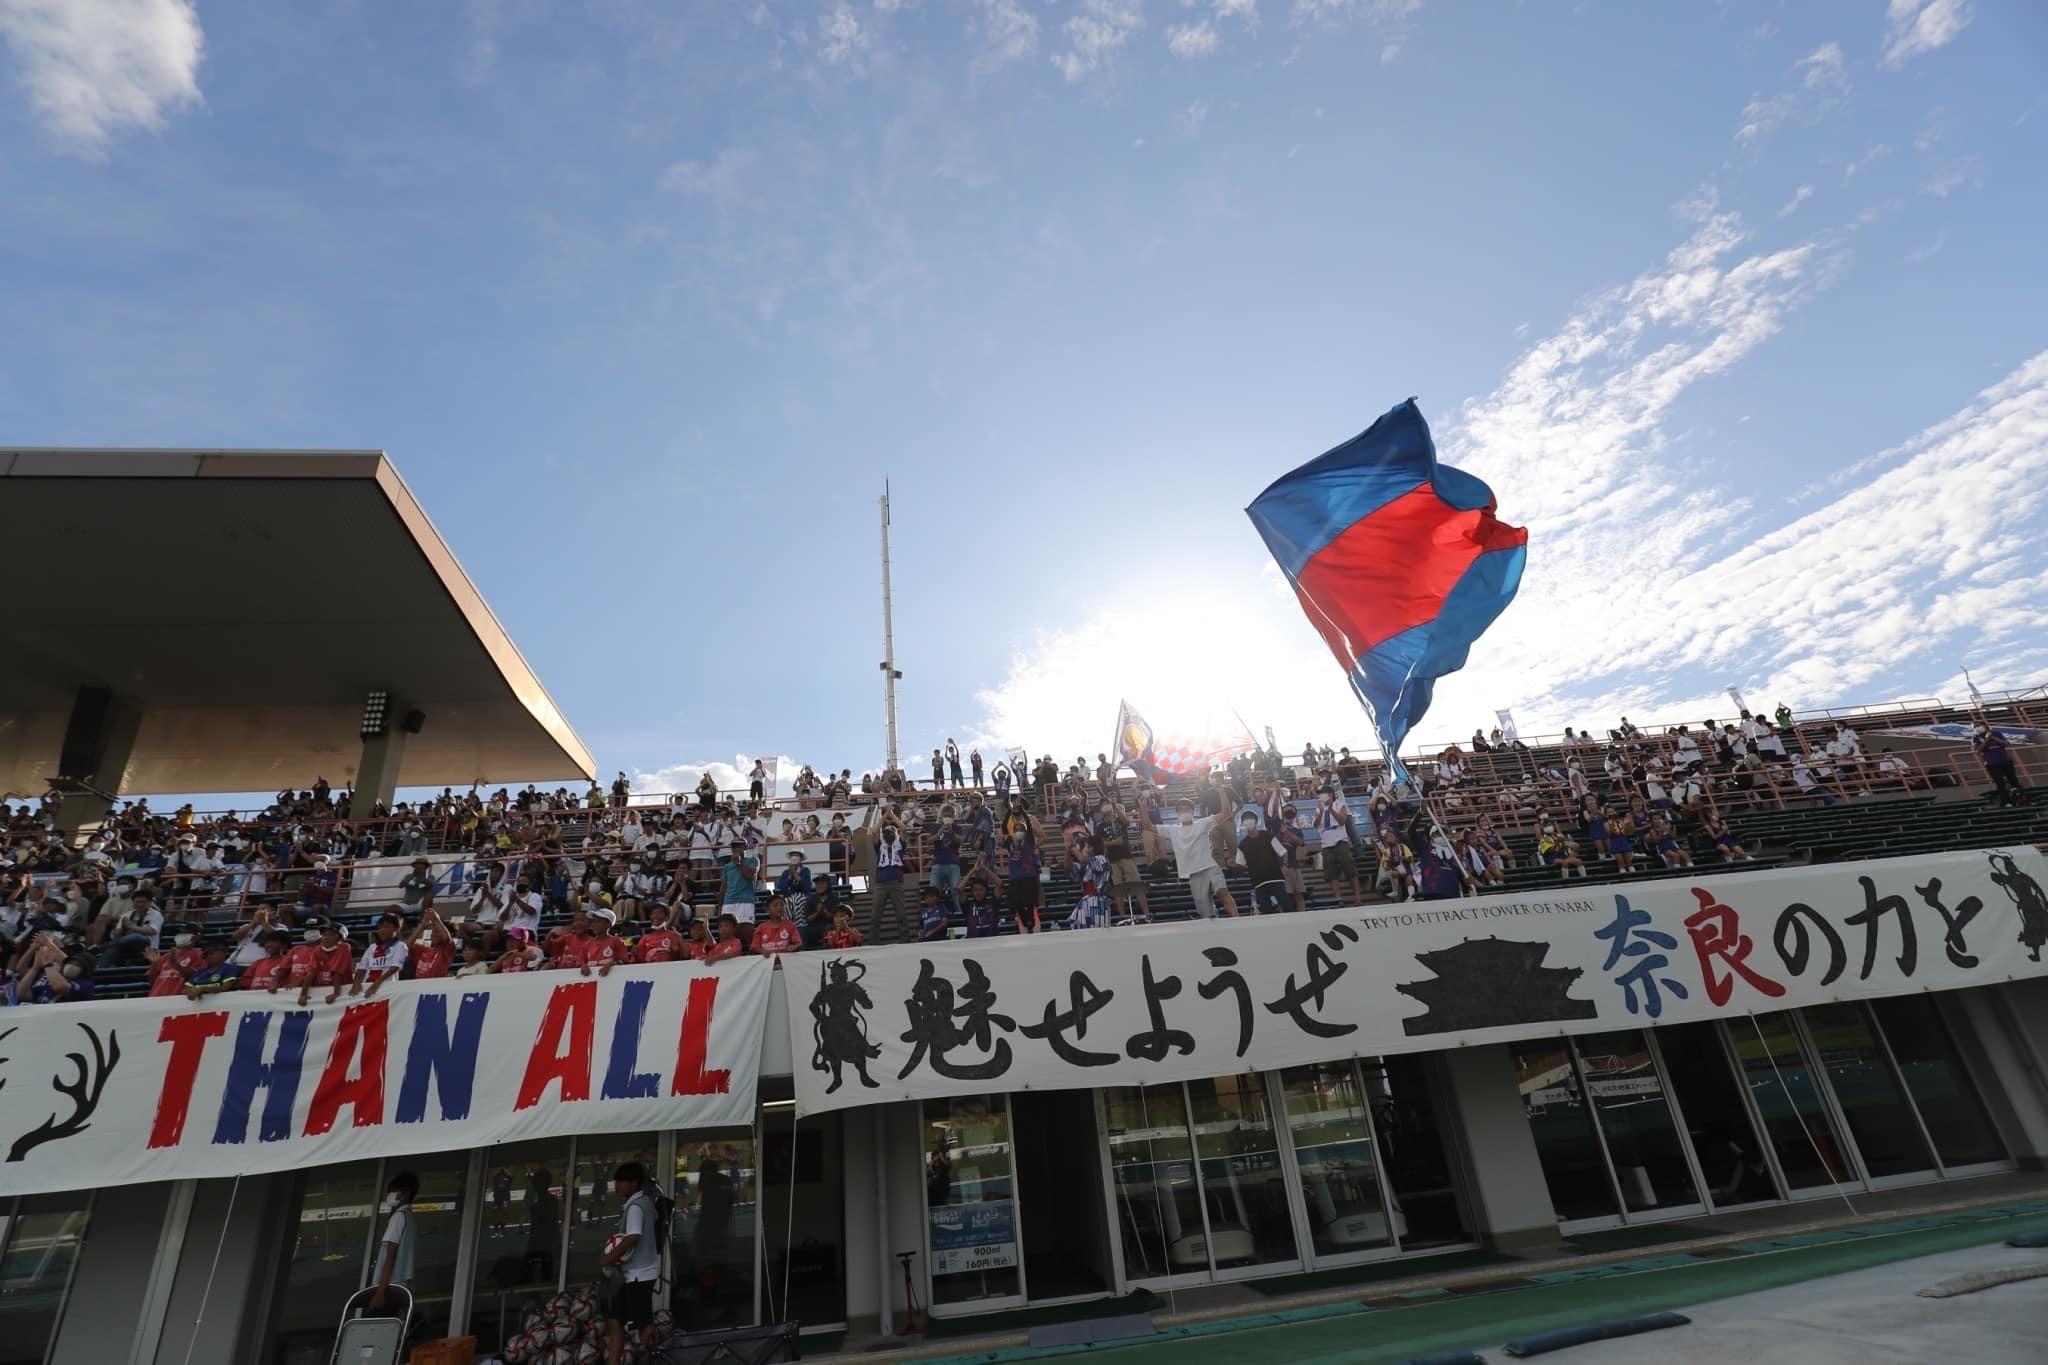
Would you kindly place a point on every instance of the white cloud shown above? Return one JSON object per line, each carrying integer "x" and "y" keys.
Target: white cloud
{"x": 1331, "y": 11}
{"x": 723, "y": 181}
{"x": 1189, "y": 41}
{"x": 98, "y": 68}
{"x": 1915, "y": 27}
{"x": 1245, "y": 11}
{"x": 1010, "y": 32}
{"x": 1093, "y": 37}
{"x": 1799, "y": 196}
{"x": 1954, "y": 176}
{"x": 1824, "y": 68}
{"x": 1875, "y": 153}
{"x": 843, "y": 38}
{"x": 1763, "y": 116}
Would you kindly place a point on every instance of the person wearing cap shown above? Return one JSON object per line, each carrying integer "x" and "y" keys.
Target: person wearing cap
{"x": 383, "y": 958}
{"x": 794, "y": 885}
{"x": 521, "y": 953}
{"x": 267, "y": 972}
{"x": 659, "y": 941}
{"x": 1195, "y": 860}
{"x": 214, "y": 975}
{"x": 775, "y": 935}
{"x": 54, "y": 977}
{"x": 135, "y": 933}
{"x": 168, "y": 971}
{"x": 418, "y": 885}
{"x": 601, "y": 948}
{"x": 327, "y": 961}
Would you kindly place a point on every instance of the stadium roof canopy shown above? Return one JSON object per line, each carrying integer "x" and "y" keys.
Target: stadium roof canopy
{"x": 248, "y": 602}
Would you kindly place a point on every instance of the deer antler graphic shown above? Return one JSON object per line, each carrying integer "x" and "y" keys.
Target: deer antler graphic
{"x": 85, "y": 1094}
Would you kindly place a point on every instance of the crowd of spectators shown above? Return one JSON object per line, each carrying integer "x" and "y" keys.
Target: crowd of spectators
{"x": 532, "y": 880}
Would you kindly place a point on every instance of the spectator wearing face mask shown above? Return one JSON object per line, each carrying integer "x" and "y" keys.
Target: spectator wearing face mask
{"x": 742, "y": 876}
{"x": 267, "y": 971}
{"x": 888, "y": 895}
{"x": 1194, "y": 858}
{"x": 326, "y": 961}
{"x": 168, "y": 971}
{"x": 134, "y": 933}
{"x": 795, "y": 886}
{"x": 1261, "y": 858}
{"x": 1996, "y": 756}
{"x": 48, "y": 976}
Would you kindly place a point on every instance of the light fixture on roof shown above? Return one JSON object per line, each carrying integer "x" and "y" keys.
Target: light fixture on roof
{"x": 376, "y": 714}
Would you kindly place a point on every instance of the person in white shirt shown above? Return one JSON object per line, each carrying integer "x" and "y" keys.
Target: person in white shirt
{"x": 392, "y": 1268}
{"x": 384, "y": 958}
{"x": 1195, "y": 860}
{"x": 633, "y": 1254}
{"x": 135, "y": 931}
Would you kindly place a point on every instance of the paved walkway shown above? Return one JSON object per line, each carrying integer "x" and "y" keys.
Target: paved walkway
{"x": 1865, "y": 1317}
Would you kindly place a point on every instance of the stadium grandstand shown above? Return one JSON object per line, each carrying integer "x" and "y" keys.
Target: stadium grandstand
{"x": 1537, "y": 1104}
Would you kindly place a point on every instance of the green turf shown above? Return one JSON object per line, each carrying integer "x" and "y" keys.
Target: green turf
{"x": 1023, "y": 1319}
{"x": 1400, "y": 1268}
{"x": 1353, "y": 1334}
{"x": 1627, "y": 1239}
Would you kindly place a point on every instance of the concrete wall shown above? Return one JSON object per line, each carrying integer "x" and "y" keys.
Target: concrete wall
{"x": 1509, "y": 1197}
{"x": 248, "y": 1223}
{"x": 2003, "y": 1033}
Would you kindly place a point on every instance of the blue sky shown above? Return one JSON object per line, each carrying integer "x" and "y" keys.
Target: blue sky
{"x": 1739, "y": 308}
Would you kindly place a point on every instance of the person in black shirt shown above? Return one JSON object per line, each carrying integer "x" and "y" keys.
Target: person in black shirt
{"x": 1262, "y": 861}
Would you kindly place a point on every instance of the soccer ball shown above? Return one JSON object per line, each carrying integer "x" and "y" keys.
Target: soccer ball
{"x": 583, "y": 1310}
{"x": 517, "y": 1349}
{"x": 664, "y": 1321}
{"x": 589, "y": 1353}
{"x": 562, "y": 1330}
{"x": 560, "y": 1302}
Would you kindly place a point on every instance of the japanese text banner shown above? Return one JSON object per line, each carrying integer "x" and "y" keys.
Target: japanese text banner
{"x": 246, "y": 1082}
{"x": 1172, "y": 1002}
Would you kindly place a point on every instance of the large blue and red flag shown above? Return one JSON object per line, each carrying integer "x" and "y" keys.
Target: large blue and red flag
{"x": 1399, "y": 562}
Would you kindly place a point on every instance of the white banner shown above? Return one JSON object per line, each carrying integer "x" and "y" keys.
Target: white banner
{"x": 1172, "y": 1002}
{"x": 101, "y": 1094}
{"x": 1507, "y": 725}
{"x": 1735, "y": 696}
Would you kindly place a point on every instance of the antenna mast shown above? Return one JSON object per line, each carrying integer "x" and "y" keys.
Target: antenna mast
{"x": 889, "y": 674}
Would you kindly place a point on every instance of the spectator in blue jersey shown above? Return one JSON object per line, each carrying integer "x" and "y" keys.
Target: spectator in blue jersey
{"x": 1002, "y": 782}
{"x": 974, "y": 764}
{"x": 984, "y": 916}
{"x": 217, "y": 975}
{"x": 891, "y": 856}
{"x": 931, "y": 917}
{"x": 1996, "y": 756}
{"x": 946, "y": 843}
{"x": 1026, "y": 893}
{"x": 795, "y": 886}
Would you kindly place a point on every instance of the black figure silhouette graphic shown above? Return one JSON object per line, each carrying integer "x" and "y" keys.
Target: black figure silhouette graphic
{"x": 839, "y": 1029}
{"x": 2027, "y": 895}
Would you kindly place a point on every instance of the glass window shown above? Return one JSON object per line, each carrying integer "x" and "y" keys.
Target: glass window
{"x": 594, "y": 1205}
{"x": 329, "y": 1254}
{"x": 1562, "y": 1125}
{"x": 711, "y": 1260}
{"x": 970, "y": 1199}
{"x": 1649, "y": 1161}
{"x": 519, "y": 1250}
{"x": 1774, "y": 1067}
{"x": 1331, "y": 1126}
{"x": 803, "y": 1200}
{"x": 1413, "y": 1152}
{"x": 1249, "y": 1219}
{"x": 1949, "y": 1104}
{"x": 437, "y": 1235}
{"x": 1885, "y": 1131}
{"x": 1158, "y": 1208}
{"x": 1724, "y": 1139}
{"x": 38, "y": 1249}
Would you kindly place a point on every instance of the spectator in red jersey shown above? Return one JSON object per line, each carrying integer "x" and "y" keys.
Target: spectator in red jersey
{"x": 698, "y": 944}
{"x": 169, "y": 971}
{"x": 729, "y": 943}
{"x": 564, "y": 946}
{"x": 326, "y": 961}
{"x": 842, "y": 935}
{"x": 602, "y": 949}
{"x": 775, "y": 935}
{"x": 659, "y": 941}
{"x": 521, "y": 953}
{"x": 383, "y": 958}
{"x": 267, "y": 973}
{"x": 429, "y": 945}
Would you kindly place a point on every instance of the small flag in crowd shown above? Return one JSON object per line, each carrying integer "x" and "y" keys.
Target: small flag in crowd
{"x": 1160, "y": 759}
{"x": 1399, "y": 562}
